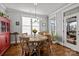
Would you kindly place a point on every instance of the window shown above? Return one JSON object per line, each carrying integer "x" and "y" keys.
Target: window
{"x": 3, "y": 26}
{"x": 28, "y": 24}
{"x": 52, "y": 26}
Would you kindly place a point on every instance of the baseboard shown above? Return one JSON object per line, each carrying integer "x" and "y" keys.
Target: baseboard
{"x": 67, "y": 46}
{"x": 61, "y": 43}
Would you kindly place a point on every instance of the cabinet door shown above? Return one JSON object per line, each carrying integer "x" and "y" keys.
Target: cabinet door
{"x": 3, "y": 26}
{"x": 8, "y": 27}
{"x": 0, "y": 44}
{"x": 7, "y": 39}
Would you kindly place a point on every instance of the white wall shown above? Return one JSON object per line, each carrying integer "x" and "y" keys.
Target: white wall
{"x": 60, "y": 25}
{"x": 44, "y": 24}
{"x": 15, "y": 15}
{"x": 2, "y": 8}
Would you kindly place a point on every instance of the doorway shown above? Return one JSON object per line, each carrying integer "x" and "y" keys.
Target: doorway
{"x": 71, "y": 29}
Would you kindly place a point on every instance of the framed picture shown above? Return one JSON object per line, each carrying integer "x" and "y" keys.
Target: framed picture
{"x": 17, "y": 22}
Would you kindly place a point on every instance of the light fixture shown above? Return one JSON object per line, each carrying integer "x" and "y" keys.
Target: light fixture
{"x": 36, "y": 19}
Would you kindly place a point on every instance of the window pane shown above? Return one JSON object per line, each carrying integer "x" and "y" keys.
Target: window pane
{"x": 27, "y": 29}
{"x": 26, "y": 21}
{"x": 26, "y": 25}
{"x": 36, "y": 24}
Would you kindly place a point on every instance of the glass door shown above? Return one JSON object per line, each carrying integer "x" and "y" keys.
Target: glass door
{"x": 52, "y": 26}
{"x": 3, "y": 26}
{"x": 71, "y": 30}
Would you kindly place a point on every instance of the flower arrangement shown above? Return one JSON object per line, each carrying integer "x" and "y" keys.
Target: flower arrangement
{"x": 34, "y": 30}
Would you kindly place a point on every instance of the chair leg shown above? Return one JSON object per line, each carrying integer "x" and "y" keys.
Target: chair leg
{"x": 23, "y": 52}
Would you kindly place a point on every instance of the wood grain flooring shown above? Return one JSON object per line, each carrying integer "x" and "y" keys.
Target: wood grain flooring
{"x": 57, "y": 50}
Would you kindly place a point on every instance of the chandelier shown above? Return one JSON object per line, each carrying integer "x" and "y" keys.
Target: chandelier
{"x": 36, "y": 19}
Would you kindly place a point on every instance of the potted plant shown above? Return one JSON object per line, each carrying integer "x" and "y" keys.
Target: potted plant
{"x": 34, "y": 31}
{"x": 1, "y": 14}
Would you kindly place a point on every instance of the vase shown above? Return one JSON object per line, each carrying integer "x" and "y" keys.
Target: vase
{"x": 34, "y": 34}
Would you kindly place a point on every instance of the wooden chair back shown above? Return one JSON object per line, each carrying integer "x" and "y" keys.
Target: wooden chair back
{"x": 24, "y": 45}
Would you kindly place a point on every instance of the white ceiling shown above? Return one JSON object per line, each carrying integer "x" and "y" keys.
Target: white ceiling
{"x": 42, "y": 8}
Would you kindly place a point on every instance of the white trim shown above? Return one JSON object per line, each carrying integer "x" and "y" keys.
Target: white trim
{"x": 71, "y": 48}
{"x": 69, "y": 16}
{"x": 59, "y": 10}
{"x": 69, "y": 8}
{"x": 54, "y": 15}
{"x": 68, "y": 46}
{"x": 61, "y": 43}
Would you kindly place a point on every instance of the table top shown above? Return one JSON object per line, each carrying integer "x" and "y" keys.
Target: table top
{"x": 36, "y": 38}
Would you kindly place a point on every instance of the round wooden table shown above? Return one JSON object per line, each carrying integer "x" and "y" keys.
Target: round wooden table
{"x": 34, "y": 43}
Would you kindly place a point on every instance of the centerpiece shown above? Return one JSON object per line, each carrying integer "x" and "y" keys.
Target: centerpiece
{"x": 34, "y": 31}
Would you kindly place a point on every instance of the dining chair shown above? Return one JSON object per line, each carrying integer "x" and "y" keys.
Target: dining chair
{"x": 31, "y": 48}
{"x": 43, "y": 48}
{"x": 49, "y": 41}
{"x": 47, "y": 45}
{"x": 24, "y": 45}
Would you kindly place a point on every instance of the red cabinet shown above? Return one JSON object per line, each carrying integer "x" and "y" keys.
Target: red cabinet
{"x": 4, "y": 34}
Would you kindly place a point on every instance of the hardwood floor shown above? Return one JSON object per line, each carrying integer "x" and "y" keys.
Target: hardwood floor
{"x": 57, "y": 50}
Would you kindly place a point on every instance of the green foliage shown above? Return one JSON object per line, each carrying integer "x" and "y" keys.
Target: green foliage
{"x": 34, "y": 30}
{"x": 1, "y": 13}
{"x": 4, "y": 15}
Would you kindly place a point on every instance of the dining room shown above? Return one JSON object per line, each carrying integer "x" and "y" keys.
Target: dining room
{"x": 38, "y": 29}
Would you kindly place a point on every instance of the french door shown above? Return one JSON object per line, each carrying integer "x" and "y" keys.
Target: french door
{"x": 71, "y": 31}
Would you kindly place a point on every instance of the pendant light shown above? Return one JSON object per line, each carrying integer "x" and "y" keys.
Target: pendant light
{"x": 36, "y": 20}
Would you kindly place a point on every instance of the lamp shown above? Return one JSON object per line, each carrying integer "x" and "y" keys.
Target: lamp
{"x": 36, "y": 19}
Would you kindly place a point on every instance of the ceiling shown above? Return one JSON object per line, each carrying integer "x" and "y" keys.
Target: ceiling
{"x": 41, "y": 9}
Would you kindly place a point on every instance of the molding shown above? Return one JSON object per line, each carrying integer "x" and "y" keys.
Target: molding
{"x": 68, "y": 46}
{"x": 61, "y": 43}
{"x": 22, "y": 13}
{"x": 50, "y": 16}
{"x": 69, "y": 16}
{"x": 54, "y": 15}
{"x": 71, "y": 48}
{"x": 71, "y": 7}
